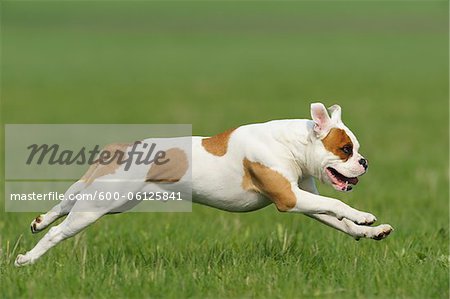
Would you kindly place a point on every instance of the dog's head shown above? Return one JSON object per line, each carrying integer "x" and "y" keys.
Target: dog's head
{"x": 335, "y": 149}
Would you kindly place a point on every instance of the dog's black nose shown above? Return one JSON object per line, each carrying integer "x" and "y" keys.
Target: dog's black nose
{"x": 364, "y": 163}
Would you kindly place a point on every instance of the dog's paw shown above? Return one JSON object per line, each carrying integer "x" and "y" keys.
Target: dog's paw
{"x": 22, "y": 260}
{"x": 37, "y": 224}
{"x": 380, "y": 232}
{"x": 364, "y": 219}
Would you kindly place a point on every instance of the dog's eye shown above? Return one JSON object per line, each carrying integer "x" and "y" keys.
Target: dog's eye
{"x": 347, "y": 149}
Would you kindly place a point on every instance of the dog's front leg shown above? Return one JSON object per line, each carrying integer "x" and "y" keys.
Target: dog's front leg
{"x": 288, "y": 197}
{"x": 346, "y": 226}
{"x": 356, "y": 231}
{"x": 308, "y": 203}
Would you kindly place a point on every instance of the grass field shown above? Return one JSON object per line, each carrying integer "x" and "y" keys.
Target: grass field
{"x": 220, "y": 65}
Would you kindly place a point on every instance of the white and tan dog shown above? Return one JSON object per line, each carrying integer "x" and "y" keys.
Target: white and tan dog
{"x": 240, "y": 170}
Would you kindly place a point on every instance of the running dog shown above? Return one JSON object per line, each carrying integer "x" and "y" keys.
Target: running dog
{"x": 241, "y": 170}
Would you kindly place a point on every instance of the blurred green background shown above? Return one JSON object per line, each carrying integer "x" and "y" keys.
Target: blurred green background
{"x": 222, "y": 64}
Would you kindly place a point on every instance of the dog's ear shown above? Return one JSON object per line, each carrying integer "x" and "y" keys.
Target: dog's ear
{"x": 335, "y": 112}
{"x": 322, "y": 120}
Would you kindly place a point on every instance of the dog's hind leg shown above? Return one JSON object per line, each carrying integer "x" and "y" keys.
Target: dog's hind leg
{"x": 83, "y": 213}
{"x": 62, "y": 209}
{"x": 74, "y": 223}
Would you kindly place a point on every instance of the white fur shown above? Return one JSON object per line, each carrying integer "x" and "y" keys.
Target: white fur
{"x": 293, "y": 148}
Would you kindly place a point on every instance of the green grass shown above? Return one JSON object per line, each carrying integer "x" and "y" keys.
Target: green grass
{"x": 219, "y": 65}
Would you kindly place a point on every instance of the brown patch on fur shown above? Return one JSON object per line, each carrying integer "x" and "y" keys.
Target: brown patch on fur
{"x": 262, "y": 179}
{"x": 38, "y": 219}
{"x": 335, "y": 141}
{"x": 218, "y": 144}
{"x": 171, "y": 171}
{"x": 96, "y": 170}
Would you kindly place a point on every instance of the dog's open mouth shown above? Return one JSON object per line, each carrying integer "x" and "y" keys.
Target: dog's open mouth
{"x": 340, "y": 181}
